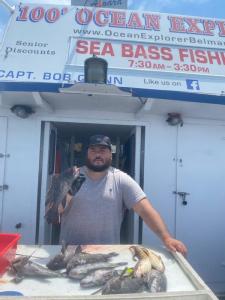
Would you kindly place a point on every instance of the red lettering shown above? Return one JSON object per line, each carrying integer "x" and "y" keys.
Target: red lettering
{"x": 140, "y": 51}
{"x": 95, "y": 47}
{"x": 127, "y": 50}
{"x": 153, "y": 52}
{"x": 193, "y": 28}
{"x": 52, "y": 15}
{"x": 183, "y": 53}
{"x": 166, "y": 53}
{"x": 209, "y": 25}
{"x": 152, "y": 22}
{"x": 201, "y": 56}
{"x": 214, "y": 56}
{"x": 118, "y": 19}
{"x": 82, "y": 47}
{"x": 108, "y": 49}
{"x": 37, "y": 14}
{"x": 222, "y": 54}
{"x": 221, "y": 25}
{"x": 134, "y": 21}
{"x": 176, "y": 24}
{"x": 23, "y": 13}
{"x": 83, "y": 16}
{"x": 192, "y": 56}
{"x": 101, "y": 17}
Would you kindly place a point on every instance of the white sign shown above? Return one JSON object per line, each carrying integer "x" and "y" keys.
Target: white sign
{"x": 148, "y": 57}
{"x": 49, "y": 44}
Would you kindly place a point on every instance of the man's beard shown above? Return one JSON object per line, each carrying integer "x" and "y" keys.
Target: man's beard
{"x": 99, "y": 168}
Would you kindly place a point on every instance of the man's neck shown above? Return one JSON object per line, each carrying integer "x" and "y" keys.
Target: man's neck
{"x": 95, "y": 175}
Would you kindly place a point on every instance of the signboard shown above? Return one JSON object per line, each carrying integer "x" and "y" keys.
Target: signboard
{"x": 49, "y": 44}
{"x": 101, "y": 3}
{"x": 148, "y": 57}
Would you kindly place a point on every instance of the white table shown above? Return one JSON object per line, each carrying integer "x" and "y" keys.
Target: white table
{"x": 181, "y": 278}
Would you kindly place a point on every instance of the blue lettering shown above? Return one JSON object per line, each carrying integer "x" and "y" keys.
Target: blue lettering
{"x": 29, "y": 74}
{"x": 9, "y": 74}
{"x": 114, "y": 80}
{"x": 15, "y": 74}
{"x": 56, "y": 76}
{"x": 110, "y": 79}
{"x": 47, "y": 76}
{"x": 67, "y": 77}
{"x": 20, "y": 74}
{"x": 2, "y": 73}
{"x": 80, "y": 78}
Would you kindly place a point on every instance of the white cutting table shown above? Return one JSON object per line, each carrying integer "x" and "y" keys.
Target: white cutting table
{"x": 181, "y": 278}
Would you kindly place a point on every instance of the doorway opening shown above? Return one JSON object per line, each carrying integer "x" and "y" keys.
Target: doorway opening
{"x": 67, "y": 147}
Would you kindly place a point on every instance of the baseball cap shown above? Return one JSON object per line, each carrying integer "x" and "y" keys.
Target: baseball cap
{"x": 99, "y": 139}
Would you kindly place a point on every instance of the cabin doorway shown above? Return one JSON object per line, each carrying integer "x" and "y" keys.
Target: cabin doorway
{"x": 66, "y": 145}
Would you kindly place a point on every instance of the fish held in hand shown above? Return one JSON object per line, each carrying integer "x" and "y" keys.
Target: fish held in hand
{"x": 62, "y": 186}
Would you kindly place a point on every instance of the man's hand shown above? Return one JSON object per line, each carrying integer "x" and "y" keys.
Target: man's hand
{"x": 154, "y": 221}
{"x": 175, "y": 245}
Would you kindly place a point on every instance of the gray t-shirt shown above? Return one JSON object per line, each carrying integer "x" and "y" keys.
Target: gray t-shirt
{"x": 95, "y": 214}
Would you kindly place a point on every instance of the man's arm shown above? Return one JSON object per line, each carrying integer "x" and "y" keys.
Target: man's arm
{"x": 154, "y": 221}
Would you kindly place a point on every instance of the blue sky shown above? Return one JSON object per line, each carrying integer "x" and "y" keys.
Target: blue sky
{"x": 204, "y": 8}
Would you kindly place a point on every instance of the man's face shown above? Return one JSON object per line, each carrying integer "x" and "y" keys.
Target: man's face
{"x": 99, "y": 158}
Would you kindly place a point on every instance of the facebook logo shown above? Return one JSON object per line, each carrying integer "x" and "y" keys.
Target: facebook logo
{"x": 192, "y": 84}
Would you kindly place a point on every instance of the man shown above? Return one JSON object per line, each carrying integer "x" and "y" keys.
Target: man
{"x": 96, "y": 212}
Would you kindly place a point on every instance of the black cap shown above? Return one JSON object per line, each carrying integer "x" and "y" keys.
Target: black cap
{"x": 99, "y": 139}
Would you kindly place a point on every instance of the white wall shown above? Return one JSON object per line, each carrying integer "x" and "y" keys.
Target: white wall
{"x": 21, "y": 174}
{"x": 160, "y": 173}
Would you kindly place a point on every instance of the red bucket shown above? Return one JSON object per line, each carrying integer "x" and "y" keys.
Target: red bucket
{"x": 8, "y": 245}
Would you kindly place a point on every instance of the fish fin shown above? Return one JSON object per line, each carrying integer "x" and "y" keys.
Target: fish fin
{"x": 18, "y": 278}
{"x": 78, "y": 249}
{"x": 133, "y": 252}
{"x": 122, "y": 264}
{"x": 113, "y": 254}
{"x": 96, "y": 292}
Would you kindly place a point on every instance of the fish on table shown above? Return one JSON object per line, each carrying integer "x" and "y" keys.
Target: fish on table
{"x": 60, "y": 261}
{"x": 147, "y": 260}
{"x": 81, "y": 271}
{"x": 98, "y": 277}
{"x": 72, "y": 256}
{"x": 23, "y": 267}
{"x": 153, "y": 282}
{"x": 123, "y": 285}
{"x": 144, "y": 265}
{"x": 156, "y": 260}
{"x": 88, "y": 258}
{"x": 156, "y": 281}
{"x": 150, "y": 267}
{"x": 96, "y": 270}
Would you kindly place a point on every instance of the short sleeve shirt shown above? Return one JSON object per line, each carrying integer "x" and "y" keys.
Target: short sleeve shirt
{"x": 96, "y": 211}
